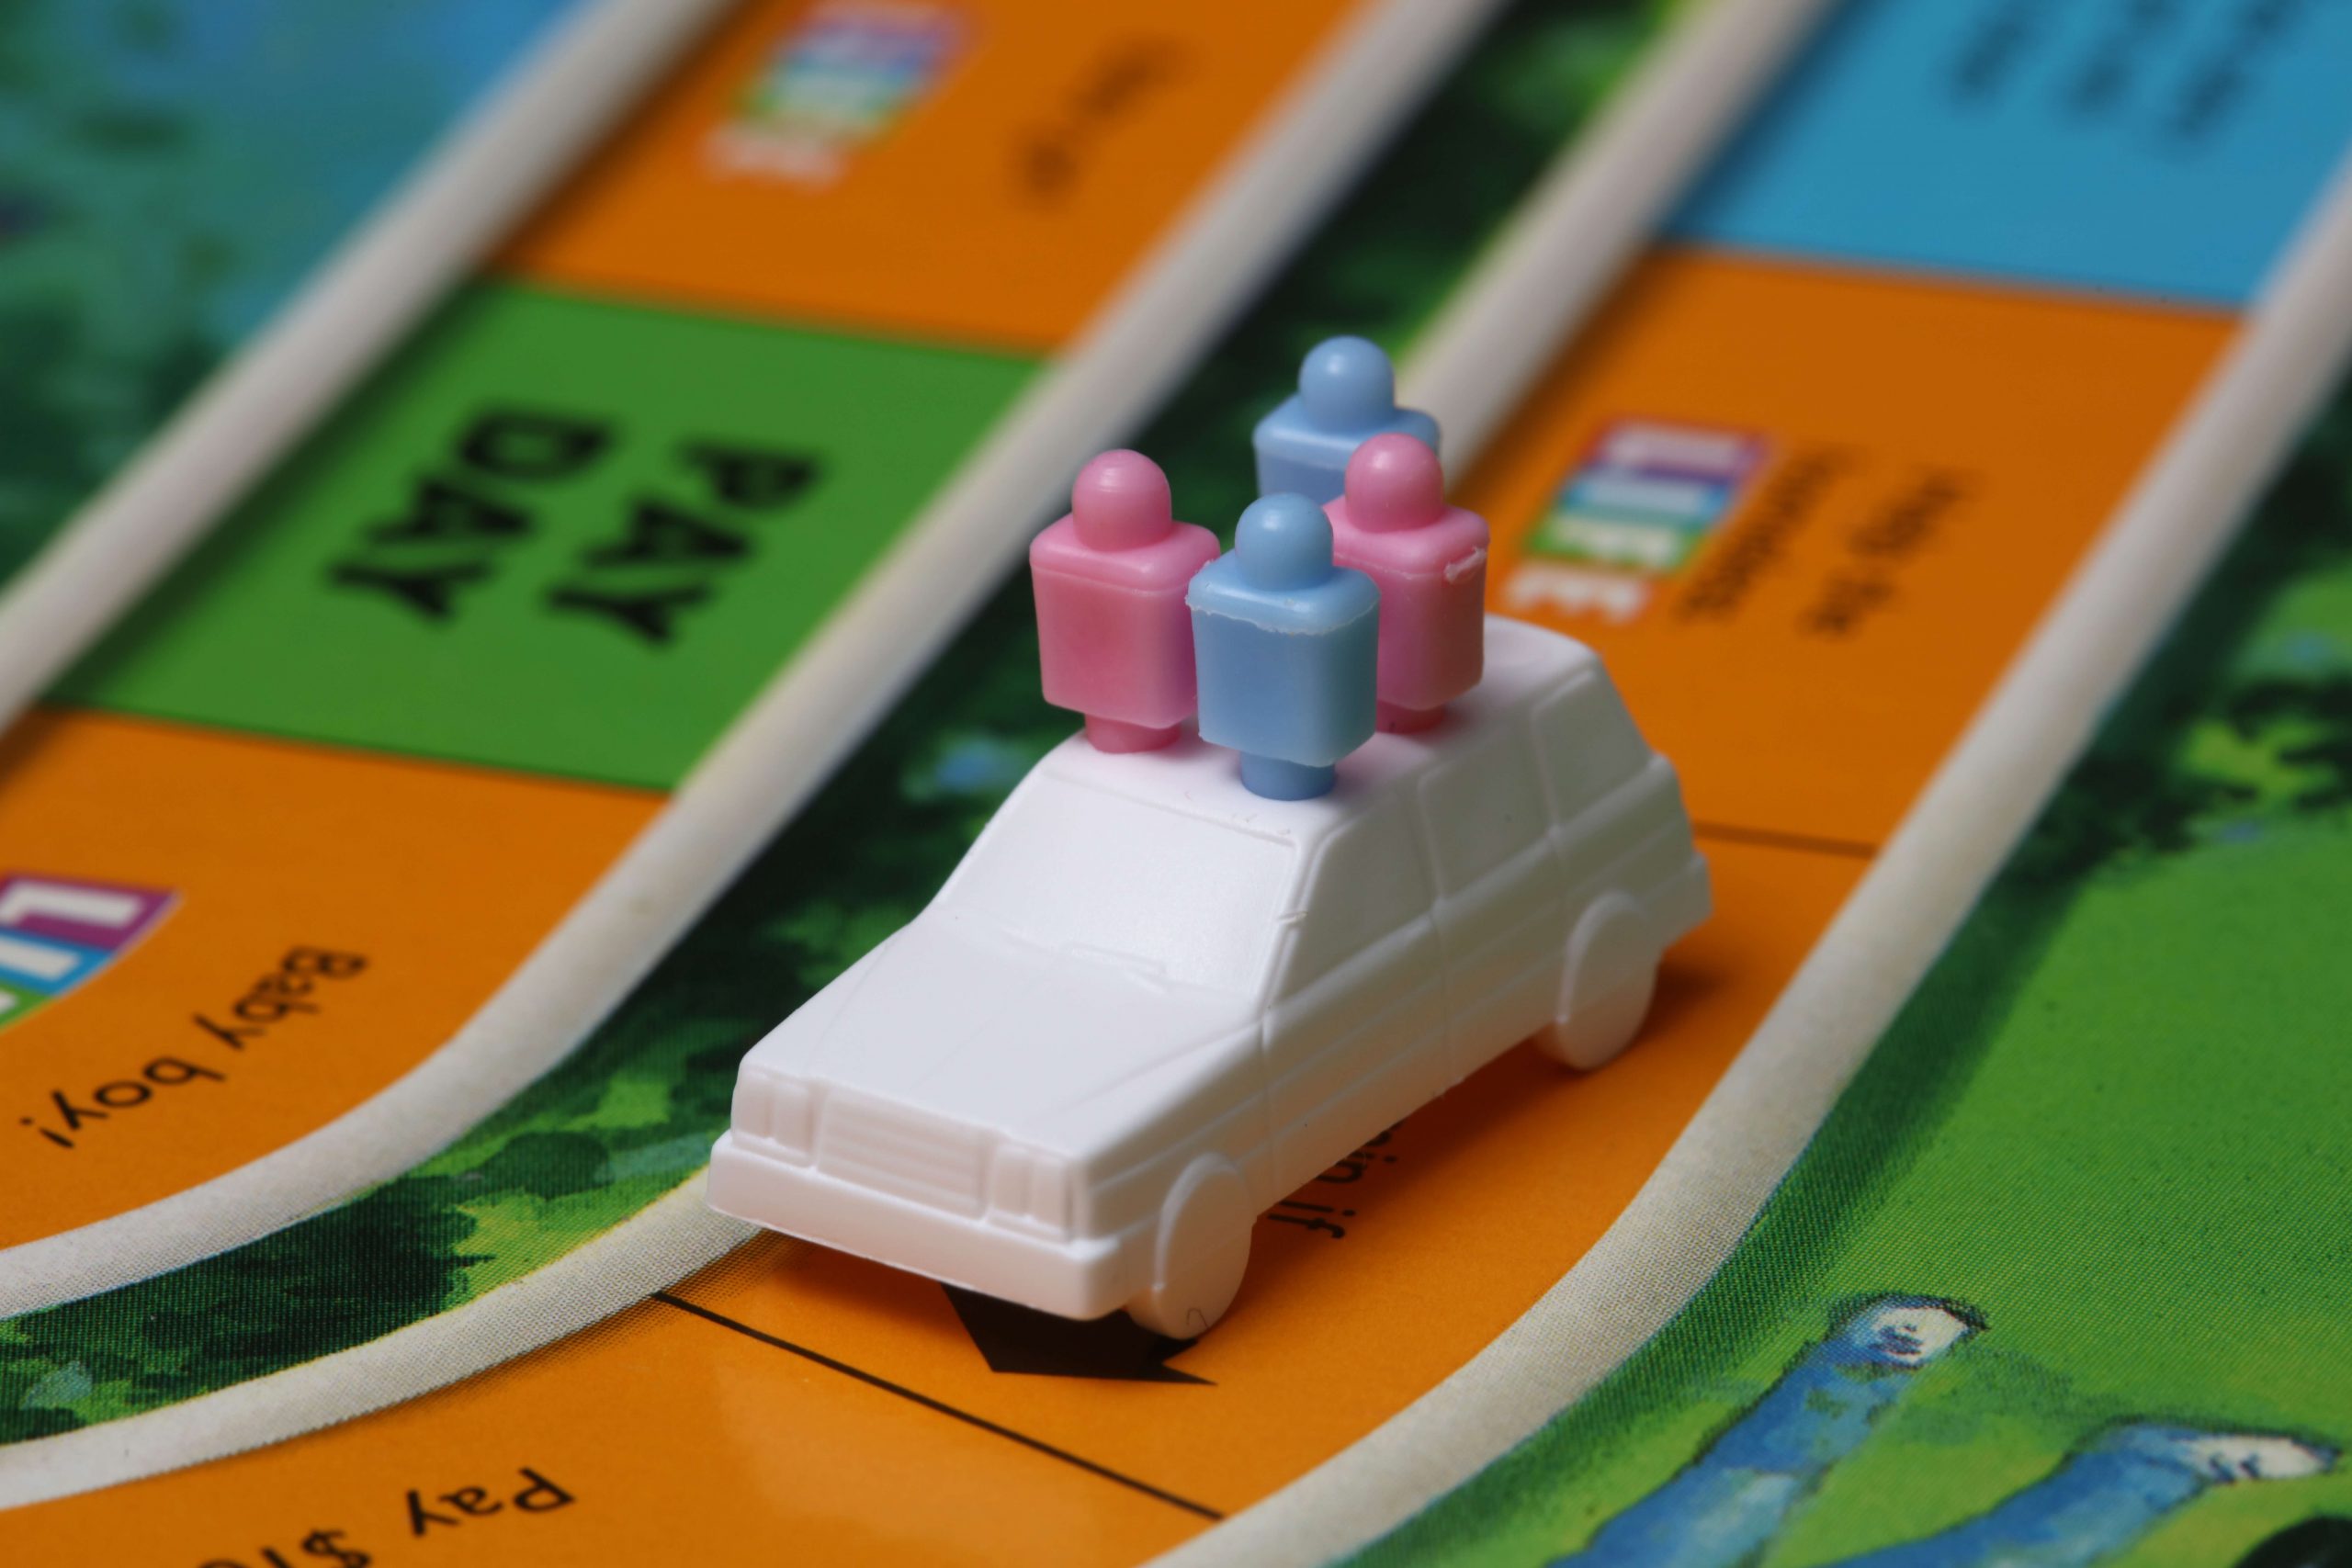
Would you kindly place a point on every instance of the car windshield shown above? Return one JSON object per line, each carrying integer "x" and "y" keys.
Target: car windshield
{"x": 1080, "y": 871}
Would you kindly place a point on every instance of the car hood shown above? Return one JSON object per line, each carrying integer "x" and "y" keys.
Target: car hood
{"x": 972, "y": 1026}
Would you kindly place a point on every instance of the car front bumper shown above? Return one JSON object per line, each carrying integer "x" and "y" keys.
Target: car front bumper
{"x": 1084, "y": 1278}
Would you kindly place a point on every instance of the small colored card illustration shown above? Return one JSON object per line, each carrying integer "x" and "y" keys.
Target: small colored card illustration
{"x": 56, "y": 932}
{"x": 847, "y": 73}
{"x": 1644, "y": 499}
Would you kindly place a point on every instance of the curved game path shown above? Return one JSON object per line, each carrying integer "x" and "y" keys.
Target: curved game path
{"x": 1845, "y": 537}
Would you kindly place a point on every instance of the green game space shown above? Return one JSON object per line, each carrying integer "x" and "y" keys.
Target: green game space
{"x": 556, "y": 534}
{"x": 2111, "y": 1124}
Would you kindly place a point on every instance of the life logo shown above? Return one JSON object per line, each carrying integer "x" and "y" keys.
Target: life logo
{"x": 1639, "y": 504}
{"x": 850, "y": 71}
{"x": 56, "y": 932}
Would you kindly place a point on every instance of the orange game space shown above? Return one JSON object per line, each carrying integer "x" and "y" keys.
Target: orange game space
{"x": 1788, "y": 704}
{"x": 1003, "y": 209}
{"x": 437, "y": 880}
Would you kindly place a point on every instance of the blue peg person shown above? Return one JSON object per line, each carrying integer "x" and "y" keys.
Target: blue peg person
{"x": 1347, "y": 395}
{"x": 1287, "y": 647}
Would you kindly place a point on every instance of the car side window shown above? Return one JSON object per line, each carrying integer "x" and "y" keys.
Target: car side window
{"x": 1588, "y": 744}
{"x": 1483, "y": 808}
{"x": 1367, "y": 883}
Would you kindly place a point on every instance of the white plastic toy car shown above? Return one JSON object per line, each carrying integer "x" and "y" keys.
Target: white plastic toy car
{"x": 1150, "y": 1003}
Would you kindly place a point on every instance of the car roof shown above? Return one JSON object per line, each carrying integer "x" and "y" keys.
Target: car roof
{"x": 894, "y": 1039}
{"x": 1523, "y": 664}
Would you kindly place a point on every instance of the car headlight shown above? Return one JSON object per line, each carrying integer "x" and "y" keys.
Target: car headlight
{"x": 1030, "y": 1190}
{"x": 777, "y": 1111}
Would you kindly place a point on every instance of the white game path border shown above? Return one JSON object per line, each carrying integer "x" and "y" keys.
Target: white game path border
{"x": 1592, "y": 213}
{"x": 1713, "y": 1183}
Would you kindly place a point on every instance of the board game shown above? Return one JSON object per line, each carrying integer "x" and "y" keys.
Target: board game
{"x": 389, "y": 898}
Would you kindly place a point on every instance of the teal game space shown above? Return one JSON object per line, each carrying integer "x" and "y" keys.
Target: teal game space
{"x": 2160, "y": 149}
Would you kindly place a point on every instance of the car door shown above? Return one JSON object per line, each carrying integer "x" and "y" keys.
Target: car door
{"x": 1499, "y": 904}
{"x": 1355, "y": 1036}
{"x": 1610, "y": 802}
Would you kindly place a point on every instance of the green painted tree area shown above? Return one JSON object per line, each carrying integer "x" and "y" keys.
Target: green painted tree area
{"x": 2111, "y": 1123}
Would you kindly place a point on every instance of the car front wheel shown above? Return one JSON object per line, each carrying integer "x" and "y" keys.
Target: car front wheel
{"x": 1200, "y": 1252}
{"x": 1605, "y": 986}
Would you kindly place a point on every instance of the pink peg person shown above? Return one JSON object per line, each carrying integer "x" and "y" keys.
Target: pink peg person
{"x": 1430, "y": 560}
{"x": 1114, "y": 636}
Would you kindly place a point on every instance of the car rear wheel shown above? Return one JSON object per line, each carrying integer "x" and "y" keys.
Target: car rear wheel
{"x": 1200, "y": 1252}
{"x": 1605, "y": 986}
